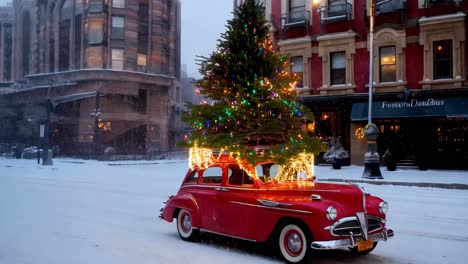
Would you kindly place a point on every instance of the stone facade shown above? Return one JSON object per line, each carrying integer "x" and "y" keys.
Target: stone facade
{"x": 107, "y": 72}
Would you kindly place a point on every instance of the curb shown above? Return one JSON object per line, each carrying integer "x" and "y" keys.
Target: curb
{"x": 453, "y": 186}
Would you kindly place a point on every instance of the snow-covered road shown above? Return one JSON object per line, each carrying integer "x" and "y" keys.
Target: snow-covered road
{"x": 89, "y": 212}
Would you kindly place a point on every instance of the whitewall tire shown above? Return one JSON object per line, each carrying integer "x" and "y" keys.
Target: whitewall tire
{"x": 293, "y": 244}
{"x": 184, "y": 226}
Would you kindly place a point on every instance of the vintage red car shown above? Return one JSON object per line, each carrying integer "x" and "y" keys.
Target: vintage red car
{"x": 298, "y": 214}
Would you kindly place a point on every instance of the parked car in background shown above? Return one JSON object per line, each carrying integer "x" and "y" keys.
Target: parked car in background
{"x": 269, "y": 202}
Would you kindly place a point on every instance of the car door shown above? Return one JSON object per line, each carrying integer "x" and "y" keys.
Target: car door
{"x": 207, "y": 199}
{"x": 237, "y": 204}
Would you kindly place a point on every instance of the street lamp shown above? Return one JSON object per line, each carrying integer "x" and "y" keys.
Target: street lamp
{"x": 371, "y": 157}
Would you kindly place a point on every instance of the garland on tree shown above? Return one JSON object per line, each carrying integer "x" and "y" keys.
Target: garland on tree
{"x": 253, "y": 100}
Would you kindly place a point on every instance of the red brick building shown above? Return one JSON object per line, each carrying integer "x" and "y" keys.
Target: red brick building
{"x": 420, "y": 102}
{"x": 102, "y": 73}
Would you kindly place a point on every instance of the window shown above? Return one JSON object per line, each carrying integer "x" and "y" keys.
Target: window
{"x": 237, "y": 176}
{"x": 95, "y": 32}
{"x": 212, "y": 175}
{"x": 297, "y": 66}
{"x": 442, "y": 51}
{"x": 296, "y": 10}
{"x": 64, "y": 35}
{"x": 387, "y": 64}
{"x": 141, "y": 60}
{"x": 337, "y": 8}
{"x": 78, "y": 30}
{"x": 118, "y": 3}
{"x": 26, "y": 47}
{"x": 193, "y": 178}
{"x": 267, "y": 172}
{"x": 117, "y": 59}
{"x": 338, "y": 68}
{"x": 118, "y": 24}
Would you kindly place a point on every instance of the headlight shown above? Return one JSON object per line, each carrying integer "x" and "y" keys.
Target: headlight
{"x": 383, "y": 207}
{"x": 332, "y": 213}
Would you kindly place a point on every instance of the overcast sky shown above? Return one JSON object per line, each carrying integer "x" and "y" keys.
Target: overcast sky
{"x": 203, "y": 21}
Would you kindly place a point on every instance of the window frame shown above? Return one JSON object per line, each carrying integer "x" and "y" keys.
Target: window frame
{"x": 119, "y": 6}
{"x": 211, "y": 182}
{"x": 436, "y": 61}
{"x": 116, "y": 60}
{"x": 117, "y": 32}
{"x": 300, "y": 60}
{"x": 381, "y": 66}
{"x": 333, "y": 70}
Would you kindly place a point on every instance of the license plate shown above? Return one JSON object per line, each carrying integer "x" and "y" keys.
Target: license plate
{"x": 365, "y": 245}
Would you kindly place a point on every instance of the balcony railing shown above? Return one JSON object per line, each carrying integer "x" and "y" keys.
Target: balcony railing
{"x": 336, "y": 12}
{"x": 296, "y": 18}
{"x": 389, "y": 6}
{"x": 438, "y": 2}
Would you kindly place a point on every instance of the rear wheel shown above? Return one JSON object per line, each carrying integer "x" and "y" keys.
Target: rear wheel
{"x": 184, "y": 226}
{"x": 293, "y": 243}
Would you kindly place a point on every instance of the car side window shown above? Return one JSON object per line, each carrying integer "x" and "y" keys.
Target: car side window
{"x": 238, "y": 176}
{"x": 267, "y": 172}
{"x": 193, "y": 178}
{"x": 212, "y": 175}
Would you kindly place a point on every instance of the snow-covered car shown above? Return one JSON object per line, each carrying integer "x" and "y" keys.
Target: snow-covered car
{"x": 259, "y": 204}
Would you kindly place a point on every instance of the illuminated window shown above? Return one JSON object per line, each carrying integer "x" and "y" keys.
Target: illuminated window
{"x": 118, "y": 25}
{"x": 297, "y": 68}
{"x": 338, "y": 68}
{"x": 118, "y": 3}
{"x": 442, "y": 51}
{"x": 387, "y": 64}
{"x": 141, "y": 60}
{"x": 117, "y": 59}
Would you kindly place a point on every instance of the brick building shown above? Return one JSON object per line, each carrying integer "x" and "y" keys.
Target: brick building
{"x": 102, "y": 73}
{"x": 420, "y": 102}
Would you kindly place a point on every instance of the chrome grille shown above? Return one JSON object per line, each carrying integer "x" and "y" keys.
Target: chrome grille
{"x": 345, "y": 226}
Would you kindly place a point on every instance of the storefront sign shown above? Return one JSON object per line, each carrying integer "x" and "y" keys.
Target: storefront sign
{"x": 413, "y": 103}
{"x": 442, "y": 107}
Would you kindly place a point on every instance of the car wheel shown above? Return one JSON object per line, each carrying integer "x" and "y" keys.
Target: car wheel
{"x": 184, "y": 226}
{"x": 355, "y": 250}
{"x": 293, "y": 243}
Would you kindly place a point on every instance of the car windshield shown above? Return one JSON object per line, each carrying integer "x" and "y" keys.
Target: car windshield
{"x": 273, "y": 172}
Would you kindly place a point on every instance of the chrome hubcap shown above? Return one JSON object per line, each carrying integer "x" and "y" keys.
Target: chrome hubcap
{"x": 294, "y": 242}
{"x": 187, "y": 222}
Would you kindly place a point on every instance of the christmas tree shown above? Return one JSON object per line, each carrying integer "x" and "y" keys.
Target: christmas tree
{"x": 253, "y": 100}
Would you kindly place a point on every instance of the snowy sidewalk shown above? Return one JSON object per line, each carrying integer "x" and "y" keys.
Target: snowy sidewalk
{"x": 447, "y": 179}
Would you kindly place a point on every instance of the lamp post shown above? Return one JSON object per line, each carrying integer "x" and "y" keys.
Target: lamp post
{"x": 371, "y": 157}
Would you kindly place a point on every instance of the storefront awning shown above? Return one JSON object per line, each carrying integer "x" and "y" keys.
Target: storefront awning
{"x": 442, "y": 107}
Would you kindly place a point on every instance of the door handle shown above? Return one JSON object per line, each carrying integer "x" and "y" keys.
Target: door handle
{"x": 221, "y": 189}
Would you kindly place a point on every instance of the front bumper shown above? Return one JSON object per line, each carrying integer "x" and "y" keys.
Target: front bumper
{"x": 350, "y": 242}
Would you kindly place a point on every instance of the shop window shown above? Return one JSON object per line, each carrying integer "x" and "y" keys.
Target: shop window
{"x": 297, "y": 67}
{"x": 338, "y": 68}
{"x": 118, "y": 3}
{"x": 118, "y": 26}
{"x": 117, "y": 59}
{"x": 387, "y": 67}
{"x": 443, "y": 61}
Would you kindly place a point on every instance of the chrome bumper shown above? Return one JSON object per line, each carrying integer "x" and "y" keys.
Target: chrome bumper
{"x": 350, "y": 242}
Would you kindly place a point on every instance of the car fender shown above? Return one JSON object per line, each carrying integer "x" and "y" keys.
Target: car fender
{"x": 183, "y": 201}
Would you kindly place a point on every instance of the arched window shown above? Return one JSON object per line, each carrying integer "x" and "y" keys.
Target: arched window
{"x": 64, "y": 35}
{"x": 51, "y": 34}
{"x": 78, "y": 32}
{"x": 26, "y": 46}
